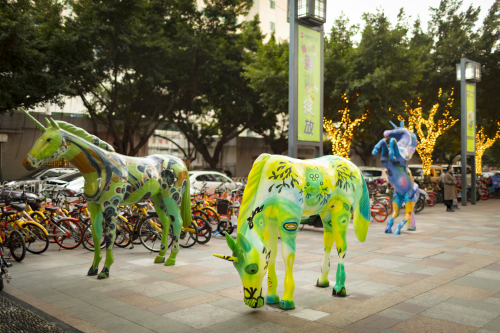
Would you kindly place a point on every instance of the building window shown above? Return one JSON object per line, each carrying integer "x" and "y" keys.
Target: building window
{"x": 272, "y": 4}
{"x": 272, "y": 27}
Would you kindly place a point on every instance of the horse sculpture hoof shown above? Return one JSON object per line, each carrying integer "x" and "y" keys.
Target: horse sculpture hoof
{"x": 272, "y": 299}
{"x": 93, "y": 271}
{"x": 322, "y": 284}
{"x": 397, "y": 232}
{"x": 388, "y": 231}
{"x": 170, "y": 262}
{"x": 411, "y": 229}
{"x": 287, "y": 305}
{"x": 104, "y": 274}
{"x": 159, "y": 259}
{"x": 341, "y": 293}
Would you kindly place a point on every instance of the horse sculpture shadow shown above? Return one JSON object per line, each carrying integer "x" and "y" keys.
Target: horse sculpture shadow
{"x": 396, "y": 150}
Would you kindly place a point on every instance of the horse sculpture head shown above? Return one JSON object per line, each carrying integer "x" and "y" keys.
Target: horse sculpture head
{"x": 50, "y": 146}
{"x": 251, "y": 261}
{"x": 397, "y": 149}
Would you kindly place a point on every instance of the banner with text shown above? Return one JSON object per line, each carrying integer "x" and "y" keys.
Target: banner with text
{"x": 471, "y": 118}
{"x": 310, "y": 124}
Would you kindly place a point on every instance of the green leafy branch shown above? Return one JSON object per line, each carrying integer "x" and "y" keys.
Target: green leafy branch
{"x": 345, "y": 178}
{"x": 286, "y": 173}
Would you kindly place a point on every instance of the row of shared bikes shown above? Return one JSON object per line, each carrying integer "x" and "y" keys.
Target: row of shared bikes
{"x": 30, "y": 222}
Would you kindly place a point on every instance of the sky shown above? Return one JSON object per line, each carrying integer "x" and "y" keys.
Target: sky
{"x": 353, "y": 9}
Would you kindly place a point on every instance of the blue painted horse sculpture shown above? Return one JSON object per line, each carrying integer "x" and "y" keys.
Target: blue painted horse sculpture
{"x": 397, "y": 148}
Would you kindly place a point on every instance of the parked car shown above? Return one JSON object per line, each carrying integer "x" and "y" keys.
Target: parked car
{"x": 46, "y": 173}
{"x": 490, "y": 173}
{"x": 63, "y": 180}
{"x": 417, "y": 171}
{"x": 213, "y": 179}
{"x": 372, "y": 173}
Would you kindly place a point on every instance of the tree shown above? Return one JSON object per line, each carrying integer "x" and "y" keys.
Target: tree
{"x": 140, "y": 64}
{"x": 267, "y": 74}
{"x": 341, "y": 133}
{"x": 483, "y": 143}
{"x": 224, "y": 105}
{"x": 376, "y": 75}
{"x": 37, "y": 54}
{"x": 433, "y": 129}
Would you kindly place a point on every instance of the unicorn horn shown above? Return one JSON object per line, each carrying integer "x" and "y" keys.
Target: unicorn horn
{"x": 40, "y": 126}
{"x": 393, "y": 124}
{"x": 228, "y": 258}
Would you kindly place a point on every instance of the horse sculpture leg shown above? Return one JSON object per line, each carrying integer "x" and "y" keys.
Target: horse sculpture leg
{"x": 340, "y": 221}
{"x": 176, "y": 221}
{"x": 409, "y": 209}
{"x": 328, "y": 239}
{"x": 162, "y": 212}
{"x": 96, "y": 222}
{"x": 288, "y": 238}
{"x": 109, "y": 226}
{"x": 272, "y": 296}
{"x": 396, "y": 206}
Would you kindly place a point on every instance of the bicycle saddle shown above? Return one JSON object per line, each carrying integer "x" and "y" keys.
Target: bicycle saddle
{"x": 20, "y": 207}
{"x": 198, "y": 201}
{"x": 9, "y": 212}
{"x": 80, "y": 205}
{"x": 141, "y": 204}
{"x": 51, "y": 209}
{"x": 152, "y": 213}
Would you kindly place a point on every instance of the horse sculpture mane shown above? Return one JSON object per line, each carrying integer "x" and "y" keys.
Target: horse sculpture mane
{"x": 85, "y": 135}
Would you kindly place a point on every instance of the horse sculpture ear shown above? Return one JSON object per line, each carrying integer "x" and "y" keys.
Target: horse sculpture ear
{"x": 47, "y": 122}
{"x": 230, "y": 242}
{"x": 54, "y": 124}
{"x": 243, "y": 242}
{"x": 402, "y": 124}
{"x": 40, "y": 126}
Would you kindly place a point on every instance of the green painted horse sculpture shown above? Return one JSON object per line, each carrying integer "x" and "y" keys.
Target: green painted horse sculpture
{"x": 113, "y": 180}
{"x": 280, "y": 191}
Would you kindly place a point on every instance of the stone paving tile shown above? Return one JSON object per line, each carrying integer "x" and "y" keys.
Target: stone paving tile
{"x": 242, "y": 323}
{"x": 371, "y": 288}
{"x": 471, "y": 281}
{"x": 461, "y": 313}
{"x": 470, "y": 293}
{"x": 196, "y": 300}
{"x": 209, "y": 315}
{"x": 492, "y": 300}
{"x": 486, "y": 274}
{"x": 411, "y": 308}
{"x": 396, "y": 314}
{"x": 372, "y": 324}
{"x": 310, "y": 314}
{"x": 428, "y": 299}
{"x": 162, "y": 324}
{"x": 140, "y": 301}
{"x": 266, "y": 327}
{"x": 423, "y": 324}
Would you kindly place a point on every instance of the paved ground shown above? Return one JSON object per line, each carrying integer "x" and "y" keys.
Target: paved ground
{"x": 445, "y": 277}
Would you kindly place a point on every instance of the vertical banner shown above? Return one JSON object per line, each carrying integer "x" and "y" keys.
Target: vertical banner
{"x": 471, "y": 118}
{"x": 310, "y": 124}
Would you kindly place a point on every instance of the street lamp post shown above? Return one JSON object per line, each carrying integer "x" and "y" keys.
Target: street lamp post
{"x": 305, "y": 86}
{"x": 468, "y": 73}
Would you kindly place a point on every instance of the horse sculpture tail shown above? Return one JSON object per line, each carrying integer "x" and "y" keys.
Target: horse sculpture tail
{"x": 362, "y": 213}
{"x": 186, "y": 206}
{"x": 250, "y": 193}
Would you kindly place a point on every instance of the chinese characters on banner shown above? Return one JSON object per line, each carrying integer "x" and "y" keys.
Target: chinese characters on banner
{"x": 310, "y": 124}
{"x": 471, "y": 118}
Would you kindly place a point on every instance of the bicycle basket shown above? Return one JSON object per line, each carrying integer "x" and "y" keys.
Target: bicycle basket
{"x": 222, "y": 206}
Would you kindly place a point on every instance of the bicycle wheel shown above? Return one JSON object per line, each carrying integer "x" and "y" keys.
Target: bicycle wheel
{"x": 150, "y": 232}
{"x": 122, "y": 235}
{"x": 70, "y": 237}
{"x": 17, "y": 245}
{"x": 37, "y": 242}
{"x": 485, "y": 194}
{"x": 420, "y": 205}
{"x": 212, "y": 217}
{"x": 88, "y": 240}
{"x": 188, "y": 236}
{"x": 379, "y": 213}
{"x": 204, "y": 229}
{"x": 431, "y": 201}
{"x": 223, "y": 227}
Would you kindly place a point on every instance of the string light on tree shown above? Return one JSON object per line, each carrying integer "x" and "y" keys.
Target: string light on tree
{"x": 433, "y": 129}
{"x": 483, "y": 143}
{"x": 341, "y": 133}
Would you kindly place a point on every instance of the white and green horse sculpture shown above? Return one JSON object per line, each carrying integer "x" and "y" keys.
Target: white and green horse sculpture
{"x": 280, "y": 191}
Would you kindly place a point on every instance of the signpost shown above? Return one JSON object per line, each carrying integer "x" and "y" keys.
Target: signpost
{"x": 468, "y": 73}
{"x": 305, "y": 92}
